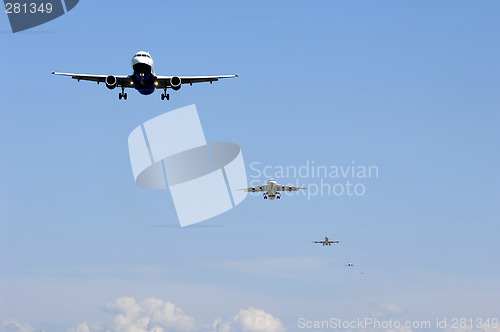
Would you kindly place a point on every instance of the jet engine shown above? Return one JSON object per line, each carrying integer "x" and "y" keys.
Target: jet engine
{"x": 111, "y": 82}
{"x": 175, "y": 83}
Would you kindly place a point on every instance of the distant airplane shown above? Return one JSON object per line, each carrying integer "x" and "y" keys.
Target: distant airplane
{"x": 271, "y": 189}
{"x": 326, "y": 242}
{"x": 350, "y": 264}
{"x": 144, "y": 78}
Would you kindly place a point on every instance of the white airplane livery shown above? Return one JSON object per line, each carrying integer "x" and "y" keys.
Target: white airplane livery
{"x": 272, "y": 189}
{"x": 144, "y": 79}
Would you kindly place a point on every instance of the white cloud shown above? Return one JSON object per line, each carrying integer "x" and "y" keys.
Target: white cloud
{"x": 170, "y": 316}
{"x": 251, "y": 320}
{"x": 12, "y": 325}
{"x": 150, "y": 315}
{"x": 83, "y": 327}
{"x": 130, "y": 316}
{"x": 156, "y": 315}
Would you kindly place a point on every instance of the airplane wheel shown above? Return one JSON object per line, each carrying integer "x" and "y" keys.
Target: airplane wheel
{"x": 168, "y": 96}
{"x": 120, "y": 96}
{"x": 125, "y": 96}
{"x": 162, "y": 96}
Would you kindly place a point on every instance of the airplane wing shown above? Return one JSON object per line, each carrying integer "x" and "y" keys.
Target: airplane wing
{"x": 318, "y": 241}
{"x": 121, "y": 80}
{"x": 164, "y": 81}
{"x": 254, "y": 189}
{"x": 279, "y": 187}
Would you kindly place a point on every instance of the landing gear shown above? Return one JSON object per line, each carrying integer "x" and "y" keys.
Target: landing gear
{"x": 278, "y": 196}
{"x": 165, "y": 95}
{"x": 265, "y": 196}
{"x": 122, "y": 94}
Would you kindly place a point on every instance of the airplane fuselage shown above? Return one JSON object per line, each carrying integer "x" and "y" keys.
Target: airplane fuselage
{"x": 144, "y": 77}
{"x": 271, "y": 192}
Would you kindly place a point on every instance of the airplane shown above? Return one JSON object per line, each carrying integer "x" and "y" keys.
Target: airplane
{"x": 350, "y": 264}
{"x": 144, "y": 79}
{"x": 271, "y": 189}
{"x": 326, "y": 242}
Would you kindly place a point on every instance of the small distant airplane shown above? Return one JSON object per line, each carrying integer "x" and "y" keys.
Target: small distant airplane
{"x": 144, "y": 79}
{"x": 350, "y": 264}
{"x": 271, "y": 189}
{"x": 326, "y": 242}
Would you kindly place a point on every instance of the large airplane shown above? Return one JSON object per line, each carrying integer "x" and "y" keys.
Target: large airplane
{"x": 144, "y": 78}
{"x": 272, "y": 189}
{"x": 326, "y": 242}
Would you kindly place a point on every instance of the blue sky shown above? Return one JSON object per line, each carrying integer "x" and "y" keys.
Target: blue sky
{"x": 409, "y": 87}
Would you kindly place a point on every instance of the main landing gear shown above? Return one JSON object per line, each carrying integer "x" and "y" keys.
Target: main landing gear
{"x": 265, "y": 195}
{"x": 278, "y": 196}
{"x": 165, "y": 95}
{"x": 122, "y": 94}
